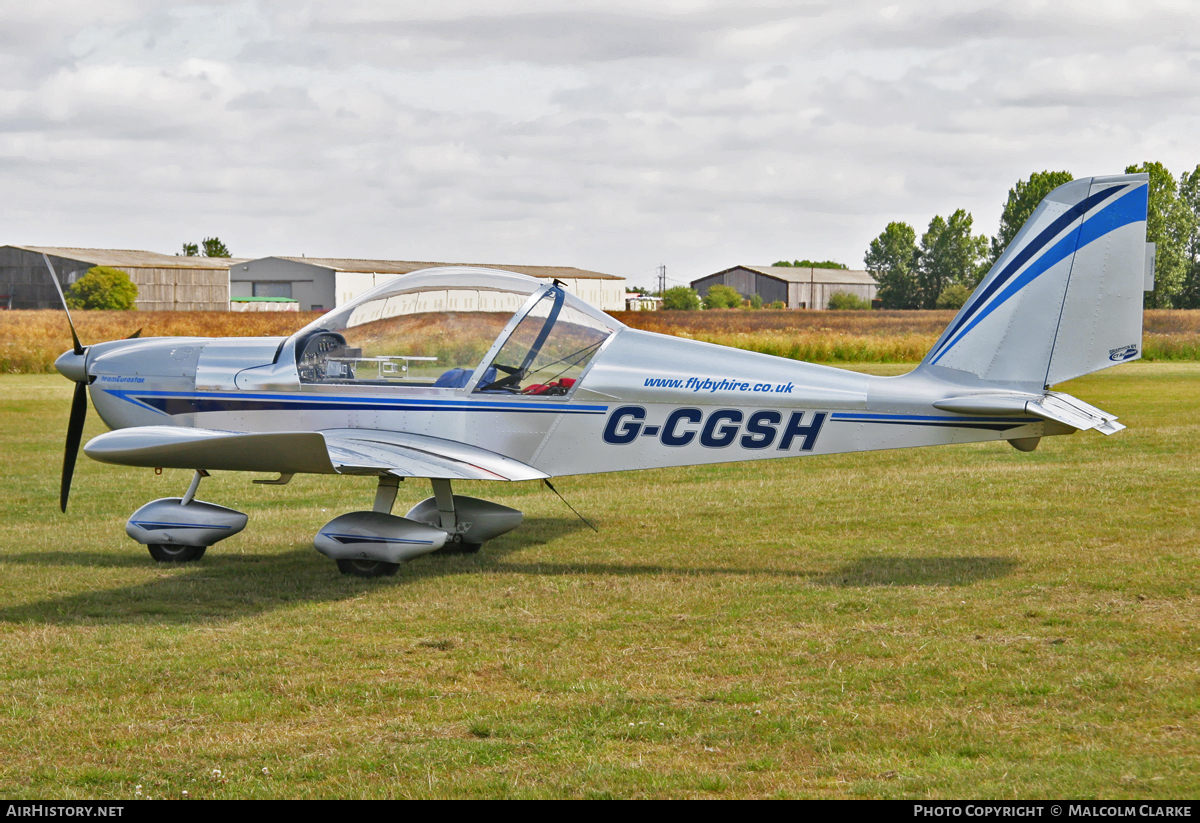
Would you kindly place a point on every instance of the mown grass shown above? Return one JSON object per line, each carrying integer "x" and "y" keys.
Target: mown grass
{"x": 960, "y": 622}
{"x": 31, "y": 340}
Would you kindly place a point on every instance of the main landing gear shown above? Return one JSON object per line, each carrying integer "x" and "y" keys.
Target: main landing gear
{"x": 375, "y": 543}
{"x": 364, "y": 544}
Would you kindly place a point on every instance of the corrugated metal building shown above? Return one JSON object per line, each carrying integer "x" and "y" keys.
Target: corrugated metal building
{"x": 319, "y": 283}
{"x": 798, "y": 287}
{"x": 165, "y": 282}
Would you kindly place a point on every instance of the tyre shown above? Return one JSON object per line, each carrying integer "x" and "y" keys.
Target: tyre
{"x": 170, "y": 553}
{"x": 367, "y": 568}
{"x": 459, "y": 548}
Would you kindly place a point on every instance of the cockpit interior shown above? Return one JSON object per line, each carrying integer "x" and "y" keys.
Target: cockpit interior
{"x": 487, "y": 331}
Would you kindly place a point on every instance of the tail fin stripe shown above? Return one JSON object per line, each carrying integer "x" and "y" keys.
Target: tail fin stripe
{"x": 1062, "y": 249}
{"x": 1023, "y": 256}
{"x": 1124, "y": 211}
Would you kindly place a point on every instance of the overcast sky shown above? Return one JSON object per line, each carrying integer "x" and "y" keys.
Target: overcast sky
{"x": 614, "y": 136}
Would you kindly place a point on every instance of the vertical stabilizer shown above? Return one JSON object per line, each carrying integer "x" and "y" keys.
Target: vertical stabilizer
{"x": 1065, "y": 298}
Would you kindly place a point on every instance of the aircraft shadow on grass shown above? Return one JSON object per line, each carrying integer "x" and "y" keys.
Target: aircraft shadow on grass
{"x": 226, "y": 587}
{"x": 917, "y": 571}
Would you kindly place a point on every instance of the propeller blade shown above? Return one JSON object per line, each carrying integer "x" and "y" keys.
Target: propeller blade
{"x": 79, "y": 404}
{"x": 70, "y": 322}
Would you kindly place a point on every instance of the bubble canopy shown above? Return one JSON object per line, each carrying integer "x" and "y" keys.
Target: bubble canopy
{"x": 483, "y": 330}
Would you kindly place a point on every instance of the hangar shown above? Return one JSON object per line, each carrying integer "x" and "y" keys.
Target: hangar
{"x": 165, "y": 282}
{"x": 320, "y": 283}
{"x": 797, "y": 287}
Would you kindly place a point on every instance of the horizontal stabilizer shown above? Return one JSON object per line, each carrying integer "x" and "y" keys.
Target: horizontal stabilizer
{"x": 987, "y": 404}
{"x": 1061, "y": 408}
{"x": 338, "y": 451}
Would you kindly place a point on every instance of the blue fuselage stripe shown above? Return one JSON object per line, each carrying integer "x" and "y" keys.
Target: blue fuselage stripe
{"x": 923, "y": 418}
{"x": 936, "y": 421}
{"x": 186, "y": 402}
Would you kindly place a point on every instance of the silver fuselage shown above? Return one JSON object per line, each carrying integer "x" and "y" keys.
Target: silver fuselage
{"x": 646, "y": 400}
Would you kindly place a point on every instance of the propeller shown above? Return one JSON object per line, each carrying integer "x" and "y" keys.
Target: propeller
{"x": 72, "y": 365}
{"x": 79, "y": 406}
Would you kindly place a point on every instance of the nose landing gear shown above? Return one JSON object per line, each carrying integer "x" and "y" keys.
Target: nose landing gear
{"x": 180, "y": 529}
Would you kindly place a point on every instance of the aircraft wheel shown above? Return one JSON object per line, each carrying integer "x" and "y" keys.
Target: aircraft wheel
{"x": 458, "y": 546}
{"x": 168, "y": 553}
{"x": 367, "y": 568}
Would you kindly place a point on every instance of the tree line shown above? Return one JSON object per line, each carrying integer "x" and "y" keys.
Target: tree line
{"x": 943, "y": 268}
{"x": 213, "y": 247}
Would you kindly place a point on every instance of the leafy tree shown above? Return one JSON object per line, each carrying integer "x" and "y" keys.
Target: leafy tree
{"x": 722, "y": 297}
{"x": 891, "y": 260}
{"x": 681, "y": 298}
{"x": 213, "y": 247}
{"x": 953, "y": 296}
{"x": 949, "y": 254}
{"x": 1168, "y": 224}
{"x": 191, "y": 250}
{"x": 103, "y": 288}
{"x": 810, "y": 264}
{"x": 1189, "y": 193}
{"x": 756, "y": 301}
{"x": 843, "y": 301}
{"x": 1023, "y": 198}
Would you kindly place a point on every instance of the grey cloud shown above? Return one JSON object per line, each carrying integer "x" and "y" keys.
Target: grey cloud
{"x": 549, "y": 38}
{"x": 285, "y": 52}
{"x": 278, "y": 98}
{"x": 697, "y": 139}
{"x": 569, "y": 38}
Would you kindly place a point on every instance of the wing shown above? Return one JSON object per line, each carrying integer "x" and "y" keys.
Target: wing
{"x": 335, "y": 451}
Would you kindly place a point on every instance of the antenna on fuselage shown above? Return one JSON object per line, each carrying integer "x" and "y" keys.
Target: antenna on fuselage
{"x": 550, "y": 486}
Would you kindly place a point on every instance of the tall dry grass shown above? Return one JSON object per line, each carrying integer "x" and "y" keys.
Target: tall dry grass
{"x": 872, "y": 336}
{"x": 31, "y": 340}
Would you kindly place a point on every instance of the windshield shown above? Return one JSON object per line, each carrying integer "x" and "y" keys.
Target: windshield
{"x": 548, "y": 350}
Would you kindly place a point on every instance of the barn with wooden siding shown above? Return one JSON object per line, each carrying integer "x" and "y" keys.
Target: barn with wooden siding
{"x": 323, "y": 283}
{"x": 797, "y": 287}
{"x": 165, "y": 282}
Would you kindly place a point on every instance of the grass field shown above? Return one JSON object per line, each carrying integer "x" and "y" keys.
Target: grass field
{"x": 966, "y": 621}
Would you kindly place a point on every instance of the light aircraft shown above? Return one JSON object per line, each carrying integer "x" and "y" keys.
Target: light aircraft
{"x": 463, "y": 373}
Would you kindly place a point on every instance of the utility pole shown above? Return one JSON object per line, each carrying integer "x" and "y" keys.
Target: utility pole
{"x": 662, "y": 279}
